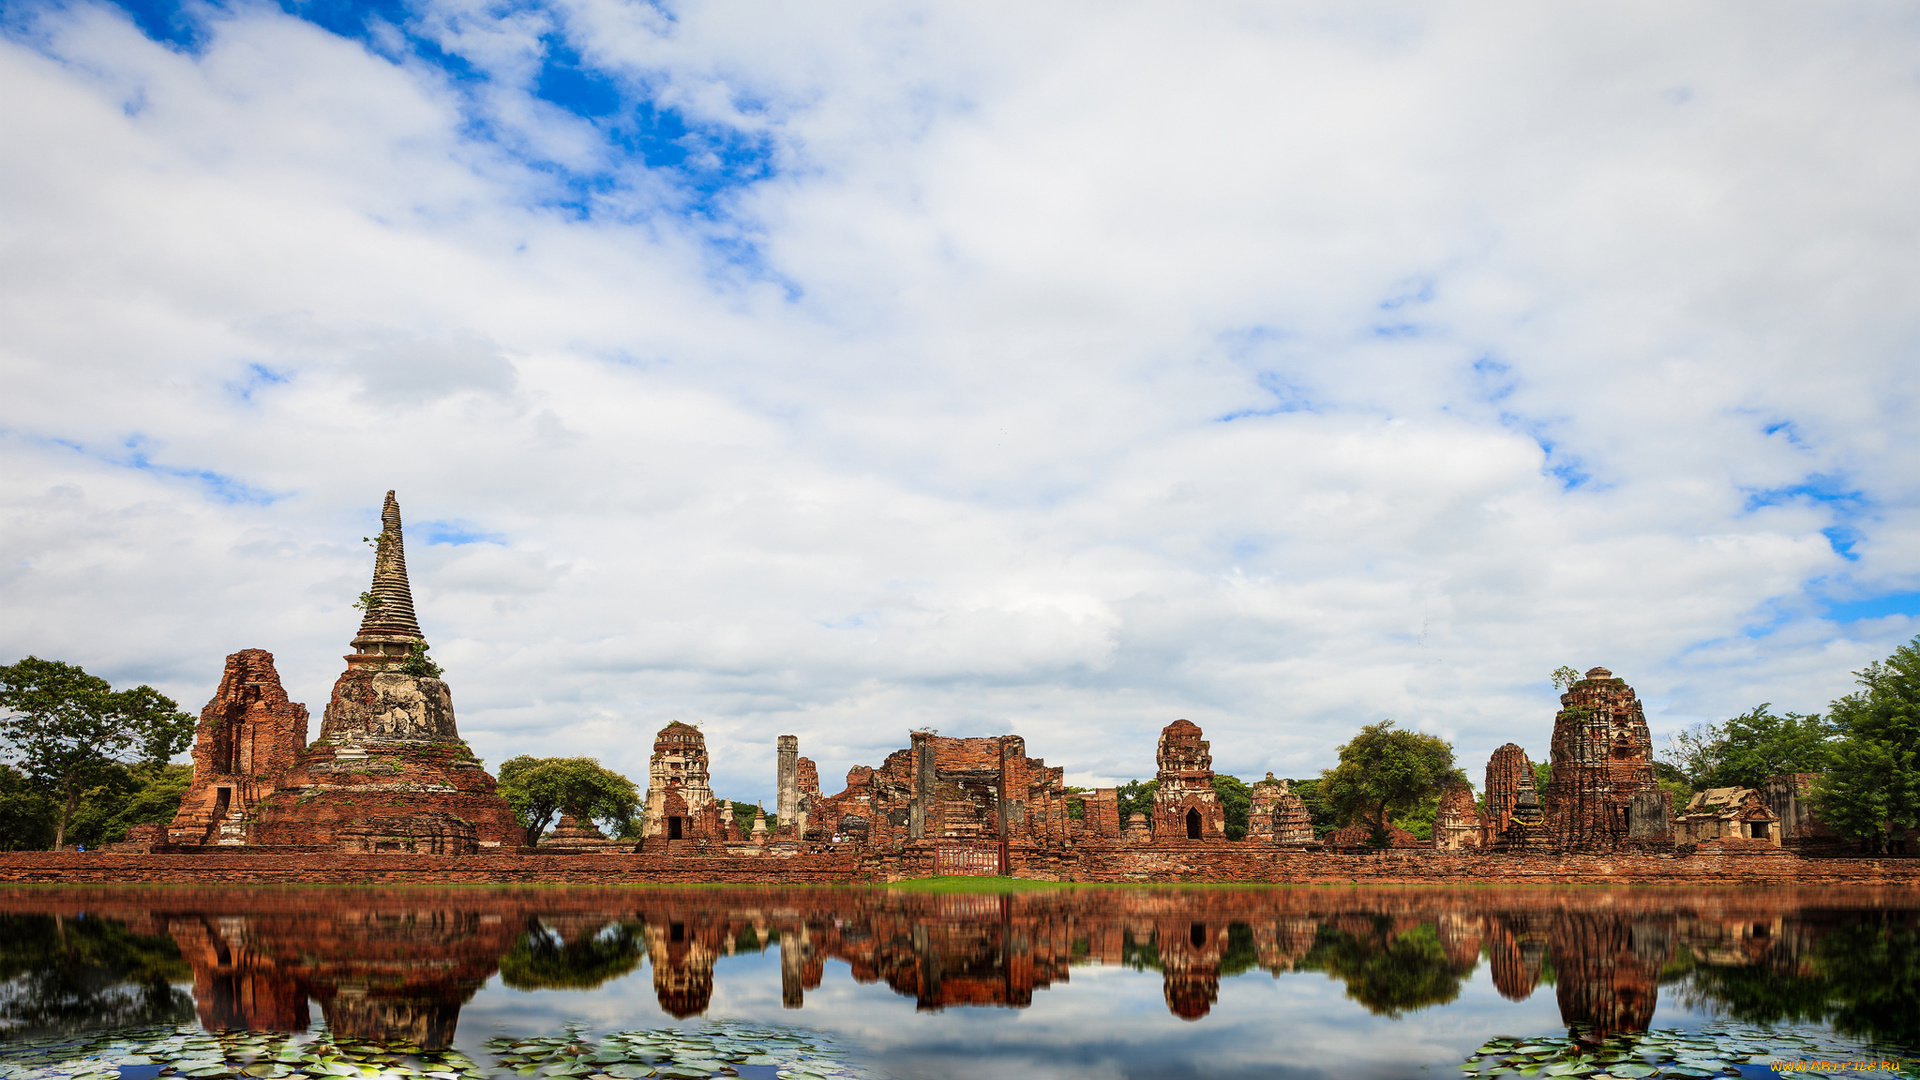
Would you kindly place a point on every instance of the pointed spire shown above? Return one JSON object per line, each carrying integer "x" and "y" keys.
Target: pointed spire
{"x": 389, "y": 622}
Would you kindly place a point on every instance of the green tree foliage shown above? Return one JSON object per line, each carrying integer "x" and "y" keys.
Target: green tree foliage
{"x": 69, "y": 731}
{"x": 1383, "y": 770}
{"x": 1746, "y": 750}
{"x": 538, "y": 789}
{"x": 542, "y": 960}
{"x": 26, "y": 813}
{"x": 139, "y": 794}
{"x": 1759, "y": 745}
{"x": 1695, "y": 754}
{"x": 1872, "y": 791}
{"x": 1542, "y": 781}
{"x": 1235, "y": 798}
{"x": 66, "y": 974}
{"x": 418, "y": 663}
{"x": 1862, "y": 977}
{"x": 1136, "y": 797}
{"x": 1076, "y": 800}
{"x": 1419, "y": 820}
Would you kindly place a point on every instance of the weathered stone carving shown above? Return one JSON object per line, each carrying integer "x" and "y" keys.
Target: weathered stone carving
{"x": 1602, "y": 759}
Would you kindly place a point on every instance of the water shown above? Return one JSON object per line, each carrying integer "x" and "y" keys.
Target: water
{"x": 459, "y": 983}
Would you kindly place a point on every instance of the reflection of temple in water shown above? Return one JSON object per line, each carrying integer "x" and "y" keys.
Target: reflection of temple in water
{"x": 390, "y": 974}
{"x": 398, "y": 966}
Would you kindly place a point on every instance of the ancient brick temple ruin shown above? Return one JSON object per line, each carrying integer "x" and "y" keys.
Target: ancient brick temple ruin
{"x": 1456, "y": 824}
{"x": 249, "y": 738}
{"x": 680, "y": 805}
{"x": 389, "y": 771}
{"x": 1603, "y": 793}
{"x": 1277, "y": 816}
{"x": 1185, "y": 804}
{"x": 389, "y": 774}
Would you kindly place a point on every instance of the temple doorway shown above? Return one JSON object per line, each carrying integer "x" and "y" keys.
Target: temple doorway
{"x": 1193, "y": 824}
{"x": 673, "y": 828}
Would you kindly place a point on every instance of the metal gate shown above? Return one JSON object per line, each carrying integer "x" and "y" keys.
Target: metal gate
{"x": 969, "y": 858}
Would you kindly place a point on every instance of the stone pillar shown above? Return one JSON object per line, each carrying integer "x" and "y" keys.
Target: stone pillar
{"x": 1013, "y": 787}
{"x": 786, "y": 805}
{"x": 922, "y": 785}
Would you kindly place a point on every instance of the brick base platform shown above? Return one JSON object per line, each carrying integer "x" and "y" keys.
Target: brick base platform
{"x": 1220, "y": 861}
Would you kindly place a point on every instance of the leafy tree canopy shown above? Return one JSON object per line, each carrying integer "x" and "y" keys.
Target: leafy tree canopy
{"x": 1760, "y": 745}
{"x": 1385, "y": 769}
{"x": 538, "y": 789}
{"x": 1235, "y": 799}
{"x": 1872, "y": 790}
{"x": 1136, "y": 797}
{"x": 541, "y": 959}
{"x": 70, "y": 731}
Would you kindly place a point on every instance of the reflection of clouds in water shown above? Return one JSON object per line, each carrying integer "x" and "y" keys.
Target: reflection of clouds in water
{"x": 1105, "y": 1022}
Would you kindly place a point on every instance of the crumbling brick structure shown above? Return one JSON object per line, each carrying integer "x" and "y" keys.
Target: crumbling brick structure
{"x": 1457, "y": 825}
{"x": 943, "y": 788}
{"x": 1277, "y": 816}
{"x": 1185, "y": 806}
{"x": 1603, "y": 793}
{"x": 389, "y": 772}
{"x": 1508, "y": 771}
{"x": 680, "y": 803}
{"x": 250, "y": 736}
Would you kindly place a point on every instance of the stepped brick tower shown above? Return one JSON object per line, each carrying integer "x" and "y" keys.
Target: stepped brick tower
{"x": 1277, "y": 816}
{"x": 1185, "y": 806}
{"x": 680, "y": 803}
{"x": 250, "y": 736}
{"x": 1603, "y": 790}
{"x": 389, "y": 771}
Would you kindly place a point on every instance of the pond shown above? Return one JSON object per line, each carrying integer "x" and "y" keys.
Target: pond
{"x": 458, "y": 983}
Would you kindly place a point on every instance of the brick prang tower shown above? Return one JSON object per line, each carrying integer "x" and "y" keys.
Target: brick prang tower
{"x": 1603, "y": 791}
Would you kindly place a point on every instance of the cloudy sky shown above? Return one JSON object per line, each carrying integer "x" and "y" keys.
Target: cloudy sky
{"x": 841, "y": 369}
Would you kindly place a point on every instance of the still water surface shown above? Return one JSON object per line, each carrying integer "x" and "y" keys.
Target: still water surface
{"x": 772, "y": 983}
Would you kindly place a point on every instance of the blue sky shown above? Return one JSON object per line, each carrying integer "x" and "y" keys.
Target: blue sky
{"x": 1064, "y": 370}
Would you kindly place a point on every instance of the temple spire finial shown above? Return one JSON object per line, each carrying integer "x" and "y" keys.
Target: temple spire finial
{"x": 390, "y": 627}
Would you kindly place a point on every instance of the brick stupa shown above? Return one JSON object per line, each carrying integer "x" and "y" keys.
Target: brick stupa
{"x": 389, "y": 771}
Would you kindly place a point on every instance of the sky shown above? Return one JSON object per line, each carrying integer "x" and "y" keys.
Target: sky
{"x": 1061, "y": 369}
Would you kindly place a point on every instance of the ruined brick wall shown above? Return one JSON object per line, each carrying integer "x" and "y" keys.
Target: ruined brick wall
{"x": 1457, "y": 825}
{"x": 1801, "y": 828}
{"x": 249, "y": 737}
{"x": 1276, "y": 815}
{"x": 1185, "y": 806}
{"x": 1508, "y": 773}
{"x": 1602, "y": 759}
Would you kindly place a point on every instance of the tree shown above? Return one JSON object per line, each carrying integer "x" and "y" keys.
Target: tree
{"x": 1235, "y": 799}
{"x": 1383, "y": 769}
{"x": 142, "y": 794}
{"x": 26, "y": 814}
{"x": 1872, "y": 790}
{"x": 539, "y": 789}
{"x": 1759, "y": 745}
{"x": 1136, "y": 797}
{"x": 69, "y": 730}
{"x": 1695, "y": 754}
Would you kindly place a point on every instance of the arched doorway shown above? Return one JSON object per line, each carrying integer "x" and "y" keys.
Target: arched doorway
{"x": 1193, "y": 824}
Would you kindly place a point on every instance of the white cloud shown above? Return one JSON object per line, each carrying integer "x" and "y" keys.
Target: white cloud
{"x": 1068, "y": 370}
